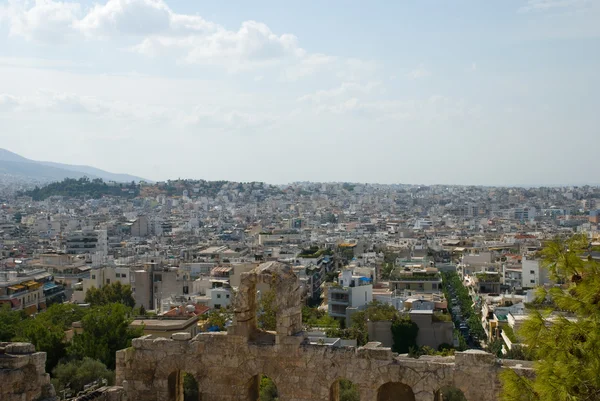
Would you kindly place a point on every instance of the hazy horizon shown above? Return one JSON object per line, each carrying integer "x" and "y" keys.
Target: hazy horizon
{"x": 457, "y": 93}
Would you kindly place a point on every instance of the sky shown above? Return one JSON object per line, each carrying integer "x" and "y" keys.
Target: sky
{"x": 417, "y": 92}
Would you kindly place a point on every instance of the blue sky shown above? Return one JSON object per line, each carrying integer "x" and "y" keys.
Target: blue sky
{"x": 454, "y": 92}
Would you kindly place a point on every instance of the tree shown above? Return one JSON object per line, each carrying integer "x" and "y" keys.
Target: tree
{"x": 404, "y": 333}
{"x": 348, "y": 391}
{"x": 267, "y": 390}
{"x": 216, "y": 319}
{"x": 495, "y": 347}
{"x": 566, "y": 350}
{"x": 77, "y": 373}
{"x": 105, "y": 331}
{"x": 9, "y": 320}
{"x": 190, "y": 388}
{"x": 111, "y": 293}
{"x": 46, "y": 337}
{"x": 267, "y": 319}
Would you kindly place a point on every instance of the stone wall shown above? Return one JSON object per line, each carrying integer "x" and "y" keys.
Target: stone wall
{"x": 23, "y": 374}
{"x": 227, "y": 365}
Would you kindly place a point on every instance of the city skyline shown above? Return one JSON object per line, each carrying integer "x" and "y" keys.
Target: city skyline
{"x": 428, "y": 93}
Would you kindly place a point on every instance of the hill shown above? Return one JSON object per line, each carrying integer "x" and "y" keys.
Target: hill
{"x": 83, "y": 188}
{"x": 16, "y": 165}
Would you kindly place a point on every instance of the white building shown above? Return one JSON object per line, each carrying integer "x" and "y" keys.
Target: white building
{"x": 352, "y": 293}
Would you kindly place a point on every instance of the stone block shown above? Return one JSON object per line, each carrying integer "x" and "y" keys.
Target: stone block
{"x": 20, "y": 348}
{"x": 184, "y": 336}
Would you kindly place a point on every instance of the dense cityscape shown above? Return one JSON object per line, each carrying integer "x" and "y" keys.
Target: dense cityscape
{"x": 423, "y": 270}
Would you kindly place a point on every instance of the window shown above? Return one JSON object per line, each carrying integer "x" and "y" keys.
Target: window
{"x": 157, "y": 277}
{"x": 93, "y": 276}
{"x": 365, "y": 296}
{"x": 186, "y": 289}
{"x": 107, "y": 281}
{"x": 532, "y": 281}
{"x": 227, "y": 296}
{"x": 217, "y": 306}
{"x": 531, "y": 272}
{"x": 123, "y": 275}
{"x": 218, "y": 295}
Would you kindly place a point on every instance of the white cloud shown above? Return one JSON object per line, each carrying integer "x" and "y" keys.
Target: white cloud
{"x": 548, "y": 5}
{"x": 419, "y": 72}
{"x": 159, "y": 30}
{"x": 44, "y": 21}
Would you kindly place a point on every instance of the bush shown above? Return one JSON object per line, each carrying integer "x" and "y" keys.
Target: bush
{"x": 76, "y": 374}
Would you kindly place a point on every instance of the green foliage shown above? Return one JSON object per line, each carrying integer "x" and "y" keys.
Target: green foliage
{"x": 314, "y": 252}
{"x": 566, "y": 350}
{"x": 518, "y": 352}
{"x": 416, "y": 352}
{"x": 46, "y": 330}
{"x": 46, "y": 337}
{"x": 495, "y": 347}
{"x": 386, "y": 271}
{"x": 465, "y": 302}
{"x": 217, "y": 319}
{"x": 83, "y": 187}
{"x": 267, "y": 390}
{"x": 266, "y": 314}
{"x": 190, "y": 388}
{"x": 404, "y": 333}
{"x": 105, "y": 331}
{"x": 111, "y": 293}
{"x": 451, "y": 394}
{"x": 77, "y": 373}
{"x": 358, "y": 328}
{"x": 315, "y": 317}
{"x": 348, "y": 391}
{"x": 8, "y": 322}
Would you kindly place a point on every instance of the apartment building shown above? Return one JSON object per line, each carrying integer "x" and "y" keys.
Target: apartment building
{"x": 351, "y": 293}
{"x": 87, "y": 241}
{"x": 23, "y": 289}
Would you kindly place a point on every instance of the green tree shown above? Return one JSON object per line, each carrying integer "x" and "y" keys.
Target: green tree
{"x": 105, "y": 331}
{"x": 9, "y": 320}
{"x": 190, "y": 388}
{"x": 495, "y": 347}
{"x": 217, "y": 319}
{"x": 46, "y": 337}
{"x": 566, "y": 350}
{"x": 77, "y": 373}
{"x": 348, "y": 391}
{"x": 267, "y": 390}
{"x": 111, "y": 293}
{"x": 267, "y": 319}
{"x": 404, "y": 333}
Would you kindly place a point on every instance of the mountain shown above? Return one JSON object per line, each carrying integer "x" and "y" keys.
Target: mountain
{"x": 16, "y": 165}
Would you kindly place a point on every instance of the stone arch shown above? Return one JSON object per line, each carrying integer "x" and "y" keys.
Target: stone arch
{"x": 449, "y": 393}
{"x": 183, "y": 386}
{"x": 288, "y": 308}
{"x": 395, "y": 391}
{"x": 343, "y": 389}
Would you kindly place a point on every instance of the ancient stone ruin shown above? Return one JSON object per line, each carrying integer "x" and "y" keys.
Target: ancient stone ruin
{"x": 23, "y": 373}
{"x": 228, "y": 366}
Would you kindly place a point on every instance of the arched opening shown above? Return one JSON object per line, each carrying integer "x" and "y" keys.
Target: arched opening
{"x": 395, "y": 391}
{"x": 262, "y": 388}
{"x": 183, "y": 386}
{"x": 449, "y": 393}
{"x": 344, "y": 390}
